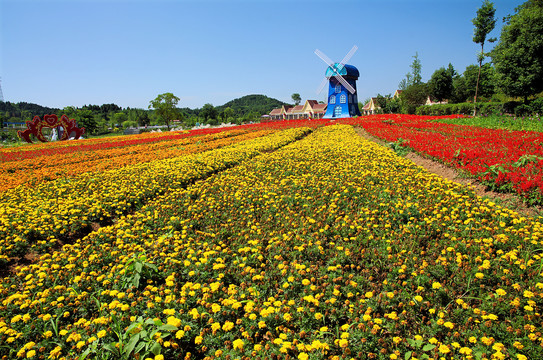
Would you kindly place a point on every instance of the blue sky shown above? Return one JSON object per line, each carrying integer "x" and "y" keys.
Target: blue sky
{"x": 77, "y": 52}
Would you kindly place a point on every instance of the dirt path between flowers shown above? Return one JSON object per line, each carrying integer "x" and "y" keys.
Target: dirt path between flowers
{"x": 509, "y": 201}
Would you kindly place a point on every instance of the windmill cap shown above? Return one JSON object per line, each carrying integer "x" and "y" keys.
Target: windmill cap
{"x": 347, "y": 70}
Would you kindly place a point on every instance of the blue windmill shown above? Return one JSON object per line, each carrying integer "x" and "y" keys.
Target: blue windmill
{"x": 341, "y": 78}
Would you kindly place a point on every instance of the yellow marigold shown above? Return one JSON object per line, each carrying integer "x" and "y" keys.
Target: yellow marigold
{"x": 501, "y": 292}
{"x": 238, "y": 344}
{"x": 444, "y": 349}
{"x": 436, "y": 285}
{"x": 303, "y": 356}
{"x": 198, "y": 340}
{"x": 228, "y": 325}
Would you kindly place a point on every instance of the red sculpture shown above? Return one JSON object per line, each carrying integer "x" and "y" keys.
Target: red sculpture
{"x": 50, "y": 121}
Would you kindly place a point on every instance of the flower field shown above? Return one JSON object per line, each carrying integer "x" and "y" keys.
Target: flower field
{"x": 502, "y": 159}
{"x": 291, "y": 242}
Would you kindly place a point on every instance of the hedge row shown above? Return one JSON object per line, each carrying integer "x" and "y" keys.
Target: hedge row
{"x": 488, "y": 108}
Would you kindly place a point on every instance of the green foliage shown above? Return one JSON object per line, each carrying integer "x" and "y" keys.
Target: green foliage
{"x": 484, "y": 23}
{"x": 400, "y": 147}
{"x": 137, "y": 270}
{"x": 85, "y": 118}
{"x": 440, "y": 85}
{"x": 518, "y": 56}
{"x": 210, "y": 114}
{"x": 296, "y": 98}
{"x": 507, "y": 122}
{"x": 165, "y": 106}
{"x": 416, "y": 68}
{"x": 413, "y": 96}
{"x": 227, "y": 114}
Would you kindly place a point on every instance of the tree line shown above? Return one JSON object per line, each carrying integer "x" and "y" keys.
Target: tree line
{"x": 515, "y": 72}
{"x": 163, "y": 110}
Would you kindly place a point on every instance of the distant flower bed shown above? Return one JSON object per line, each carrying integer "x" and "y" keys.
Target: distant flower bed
{"x": 502, "y": 159}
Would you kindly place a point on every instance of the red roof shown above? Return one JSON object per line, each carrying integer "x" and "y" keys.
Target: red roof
{"x": 319, "y": 107}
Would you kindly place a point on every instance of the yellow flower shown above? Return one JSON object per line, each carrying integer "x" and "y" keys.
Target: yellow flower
{"x": 198, "y": 340}
{"x": 101, "y": 334}
{"x": 238, "y": 344}
{"x": 159, "y": 357}
{"x": 179, "y": 334}
{"x": 55, "y": 353}
{"x": 228, "y": 325}
{"x": 501, "y": 292}
{"x": 303, "y": 356}
{"x": 436, "y": 285}
{"x": 369, "y": 294}
{"x": 418, "y": 298}
{"x": 444, "y": 349}
{"x": 30, "y": 354}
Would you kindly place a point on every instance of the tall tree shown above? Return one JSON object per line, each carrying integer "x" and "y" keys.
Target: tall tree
{"x": 440, "y": 85}
{"x": 484, "y": 24}
{"x": 518, "y": 56}
{"x": 296, "y": 98}
{"x": 166, "y": 107}
{"x": 416, "y": 68}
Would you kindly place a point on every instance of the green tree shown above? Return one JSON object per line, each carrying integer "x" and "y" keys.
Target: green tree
{"x": 484, "y": 24}
{"x": 70, "y": 112}
{"x": 209, "y": 113}
{"x": 518, "y": 56}
{"x": 85, "y": 118}
{"x": 416, "y": 68}
{"x": 485, "y": 76}
{"x": 440, "y": 85}
{"x": 413, "y": 96}
{"x": 165, "y": 106}
{"x": 296, "y": 98}
{"x": 228, "y": 113}
{"x": 118, "y": 119}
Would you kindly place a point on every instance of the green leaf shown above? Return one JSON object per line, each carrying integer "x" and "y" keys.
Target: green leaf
{"x": 168, "y": 327}
{"x": 136, "y": 280}
{"x": 131, "y": 344}
{"x": 428, "y": 347}
{"x": 408, "y": 355}
{"x": 138, "y": 348}
{"x": 155, "y": 349}
{"x": 85, "y": 354}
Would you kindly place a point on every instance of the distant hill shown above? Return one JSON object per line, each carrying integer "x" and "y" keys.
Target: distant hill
{"x": 16, "y": 109}
{"x": 252, "y": 103}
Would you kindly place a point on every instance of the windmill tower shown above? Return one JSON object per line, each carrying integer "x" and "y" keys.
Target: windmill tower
{"x": 341, "y": 78}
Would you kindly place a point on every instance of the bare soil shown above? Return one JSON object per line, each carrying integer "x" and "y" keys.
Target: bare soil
{"x": 507, "y": 200}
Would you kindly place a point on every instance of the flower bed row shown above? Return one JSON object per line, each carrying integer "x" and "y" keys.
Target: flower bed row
{"x": 46, "y": 168}
{"x": 61, "y": 209}
{"x": 502, "y": 159}
{"x": 331, "y": 247}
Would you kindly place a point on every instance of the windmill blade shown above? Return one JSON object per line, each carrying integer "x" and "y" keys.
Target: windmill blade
{"x": 322, "y": 85}
{"x": 324, "y": 58}
{"x": 349, "y": 55}
{"x": 345, "y": 83}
